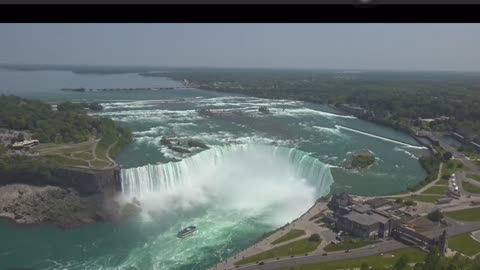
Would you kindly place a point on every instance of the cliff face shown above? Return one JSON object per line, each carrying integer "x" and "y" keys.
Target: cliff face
{"x": 85, "y": 182}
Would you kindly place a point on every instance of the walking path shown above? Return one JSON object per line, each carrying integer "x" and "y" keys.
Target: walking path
{"x": 418, "y": 192}
{"x": 302, "y": 223}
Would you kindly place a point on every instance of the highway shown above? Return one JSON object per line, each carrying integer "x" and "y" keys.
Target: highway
{"x": 387, "y": 246}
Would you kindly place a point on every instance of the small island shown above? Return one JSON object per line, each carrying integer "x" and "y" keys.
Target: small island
{"x": 361, "y": 159}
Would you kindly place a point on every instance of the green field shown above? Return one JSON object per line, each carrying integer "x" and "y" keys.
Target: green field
{"x": 84, "y": 155}
{"x": 465, "y": 244}
{"x": 69, "y": 161}
{"x": 470, "y": 187}
{"x": 290, "y": 235}
{"x": 381, "y": 261}
{"x": 474, "y": 177}
{"x": 421, "y": 198}
{"x": 427, "y": 198}
{"x": 99, "y": 163}
{"x": 442, "y": 182}
{"x": 436, "y": 190}
{"x": 350, "y": 243}
{"x": 299, "y": 247}
{"x": 472, "y": 214}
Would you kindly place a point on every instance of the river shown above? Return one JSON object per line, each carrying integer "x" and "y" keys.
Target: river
{"x": 260, "y": 172}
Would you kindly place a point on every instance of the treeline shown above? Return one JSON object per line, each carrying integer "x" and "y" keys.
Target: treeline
{"x": 396, "y": 98}
{"x": 69, "y": 123}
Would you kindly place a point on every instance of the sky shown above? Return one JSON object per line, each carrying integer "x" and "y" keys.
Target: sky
{"x": 449, "y": 47}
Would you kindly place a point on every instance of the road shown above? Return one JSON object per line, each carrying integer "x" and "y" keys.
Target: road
{"x": 288, "y": 262}
{"x": 438, "y": 137}
{"x": 384, "y": 247}
{"x": 456, "y": 229}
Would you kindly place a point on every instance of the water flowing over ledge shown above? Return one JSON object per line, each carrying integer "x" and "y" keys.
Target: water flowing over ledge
{"x": 231, "y": 163}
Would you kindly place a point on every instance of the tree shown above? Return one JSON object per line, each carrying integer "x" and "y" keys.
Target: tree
{"x": 314, "y": 237}
{"x": 410, "y": 203}
{"x": 432, "y": 261}
{"x": 447, "y": 156}
{"x": 435, "y": 215}
{"x": 20, "y": 137}
{"x": 364, "y": 266}
{"x": 401, "y": 263}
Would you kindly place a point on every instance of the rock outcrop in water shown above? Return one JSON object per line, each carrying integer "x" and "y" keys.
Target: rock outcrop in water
{"x": 184, "y": 146}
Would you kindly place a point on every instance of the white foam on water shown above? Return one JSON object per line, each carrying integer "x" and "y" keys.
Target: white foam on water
{"x": 334, "y": 131}
{"x": 399, "y": 149}
{"x": 154, "y": 115}
{"x": 306, "y": 111}
{"x": 380, "y": 137}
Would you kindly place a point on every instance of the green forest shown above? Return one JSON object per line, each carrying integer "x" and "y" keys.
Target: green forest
{"x": 69, "y": 123}
{"x": 396, "y": 99}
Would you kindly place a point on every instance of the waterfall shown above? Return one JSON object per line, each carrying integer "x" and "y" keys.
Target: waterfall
{"x": 213, "y": 163}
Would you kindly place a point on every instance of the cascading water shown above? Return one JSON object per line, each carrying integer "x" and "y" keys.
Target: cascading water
{"x": 212, "y": 163}
{"x": 249, "y": 177}
{"x": 233, "y": 194}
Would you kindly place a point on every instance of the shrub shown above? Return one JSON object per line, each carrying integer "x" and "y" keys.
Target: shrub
{"x": 435, "y": 215}
{"x": 314, "y": 237}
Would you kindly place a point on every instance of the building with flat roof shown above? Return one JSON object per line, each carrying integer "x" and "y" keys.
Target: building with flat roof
{"x": 357, "y": 219}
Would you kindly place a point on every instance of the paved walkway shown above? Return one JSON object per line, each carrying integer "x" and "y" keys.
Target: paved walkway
{"x": 302, "y": 223}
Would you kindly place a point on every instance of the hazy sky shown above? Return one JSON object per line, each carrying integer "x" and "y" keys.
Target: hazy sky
{"x": 344, "y": 46}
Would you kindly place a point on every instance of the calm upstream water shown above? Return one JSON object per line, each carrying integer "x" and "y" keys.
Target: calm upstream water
{"x": 261, "y": 171}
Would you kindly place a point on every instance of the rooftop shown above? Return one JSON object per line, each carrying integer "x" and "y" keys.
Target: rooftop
{"x": 366, "y": 219}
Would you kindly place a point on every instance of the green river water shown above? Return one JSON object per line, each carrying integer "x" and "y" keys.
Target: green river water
{"x": 261, "y": 171}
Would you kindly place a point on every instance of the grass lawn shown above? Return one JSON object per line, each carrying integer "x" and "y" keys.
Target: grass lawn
{"x": 46, "y": 146}
{"x": 477, "y": 162}
{"x": 300, "y": 247}
{"x": 421, "y": 198}
{"x": 436, "y": 190}
{"x": 465, "y": 244}
{"x": 442, "y": 182}
{"x": 101, "y": 152}
{"x": 84, "y": 155}
{"x": 290, "y": 235}
{"x": 350, "y": 243}
{"x": 99, "y": 163}
{"x": 382, "y": 261}
{"x": 70, "y": 147}
{"x": 427, "y": 198}
{"x": 69, "y": 161}
{"x": 474, "y": 177}
{"x": 470, "y": 187}
{"x": 472, "y": 214}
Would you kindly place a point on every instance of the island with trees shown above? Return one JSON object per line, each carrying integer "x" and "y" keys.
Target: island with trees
{"x": 361, "y": 160}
